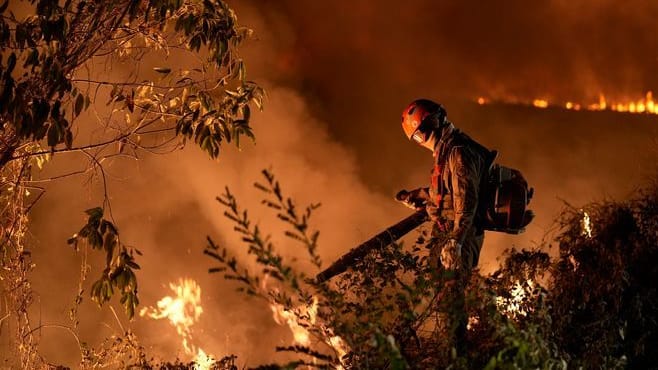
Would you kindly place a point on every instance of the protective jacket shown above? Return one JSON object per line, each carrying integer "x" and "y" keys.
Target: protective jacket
{"x": 459, "y": 176}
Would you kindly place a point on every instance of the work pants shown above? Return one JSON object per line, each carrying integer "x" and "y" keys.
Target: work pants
{"x": 452, "y": 303}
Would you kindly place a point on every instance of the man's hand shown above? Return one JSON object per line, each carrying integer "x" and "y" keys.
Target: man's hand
{"x": 414, "y": 199}
{"x": 451, "y": 255}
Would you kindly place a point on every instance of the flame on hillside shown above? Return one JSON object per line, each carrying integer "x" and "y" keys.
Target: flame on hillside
{"x": 183, "y": 310}
{"x": 644, "y": 105}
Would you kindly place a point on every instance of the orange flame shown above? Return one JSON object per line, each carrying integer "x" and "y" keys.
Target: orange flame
{"x": 183, "y": 311}
{"x": 298, "y": 318}
{"x": 472, "y": 321}
{"x": 283, "y": 316}
{"x": 202, "y": 361}
{"x": 646, "y": 104}
{"x": 339, "y": 345}
{"x": 587, "y": 225}
{"x": 512, "y": 306}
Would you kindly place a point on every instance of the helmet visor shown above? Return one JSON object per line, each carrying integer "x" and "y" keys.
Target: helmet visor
{"x": 424, "y": 131}
{"x": 419, "y": 137}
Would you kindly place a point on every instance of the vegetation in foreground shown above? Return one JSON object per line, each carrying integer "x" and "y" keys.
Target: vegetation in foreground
{"x": 594, "y": 306}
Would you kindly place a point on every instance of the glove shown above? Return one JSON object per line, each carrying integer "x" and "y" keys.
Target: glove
{"x": 451, "y": 255}
{"x": 414, "y": 199}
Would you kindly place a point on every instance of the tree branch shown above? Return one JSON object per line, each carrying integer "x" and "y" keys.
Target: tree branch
{"x": 70, "y": 150}
{"x": 139, "y": 84}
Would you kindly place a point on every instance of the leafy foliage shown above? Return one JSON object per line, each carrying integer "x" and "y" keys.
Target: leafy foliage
{"x": 43, "y": 93}
{"x": 45, "y": 50}
{"x": 158, "y": 73}
{"x": 593, "y": 306}
{"x": 603, "y": 293}
{"x": 120, "y": 264}
{"x": 290, "y": 289}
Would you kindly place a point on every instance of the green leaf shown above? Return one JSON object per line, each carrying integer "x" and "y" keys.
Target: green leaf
{"x": 163, "y": 70}
{"x": 95, "y": 239}
{"x": 242, "y": 71}
{"x": 195, "y": 43}
{"x": 122, "y": 279}
{"x": 79, "y": 104}
{"x": 53, "y": 134}
{"x": 95, "y": 213}
{"x": 246, "y": 113}
{"x": 132, "y": 279}
{"x": 68, "y": 139}
{"x": 32, "y": 58}
{"x": 11, "y": 63}
{"x": 54, "y": 112}
{"x": 73, "y": 241}
{"x": 130, "y": 306}
{"x": 85, "y": 231}
{"x": 107, "y": 225}
{"x": 96, "y": 292}
{"x": 231, "y": 93}
{"x": 110, "y": 242}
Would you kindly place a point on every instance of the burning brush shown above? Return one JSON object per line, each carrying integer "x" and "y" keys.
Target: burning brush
{"x": 183, "y": 310}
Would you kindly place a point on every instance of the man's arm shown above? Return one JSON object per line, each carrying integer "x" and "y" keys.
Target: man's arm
{"x": 465, "y": 168}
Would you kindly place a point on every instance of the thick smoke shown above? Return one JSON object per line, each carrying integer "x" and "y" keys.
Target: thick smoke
{"x": 358, "y": 63}
{"x": 556, "y": 48}
{"x": 166, "y": 207}
{"x": 338, "y": 74}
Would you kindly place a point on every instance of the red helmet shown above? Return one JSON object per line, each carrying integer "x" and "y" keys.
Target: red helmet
{"x": 413, "y": 119}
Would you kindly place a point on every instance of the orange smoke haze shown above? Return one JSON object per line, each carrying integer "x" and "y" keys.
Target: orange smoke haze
{"x": 338, "y": 75}
{"x": 166, "y": 207}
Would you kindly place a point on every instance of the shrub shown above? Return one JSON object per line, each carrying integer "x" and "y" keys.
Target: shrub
{"x": 594, "y": 306}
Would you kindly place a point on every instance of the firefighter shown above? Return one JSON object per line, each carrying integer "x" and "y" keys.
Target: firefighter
{"x": 458, "y": 177}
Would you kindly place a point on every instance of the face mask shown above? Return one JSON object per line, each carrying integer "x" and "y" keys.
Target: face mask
{"x": 424, "y": 130}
